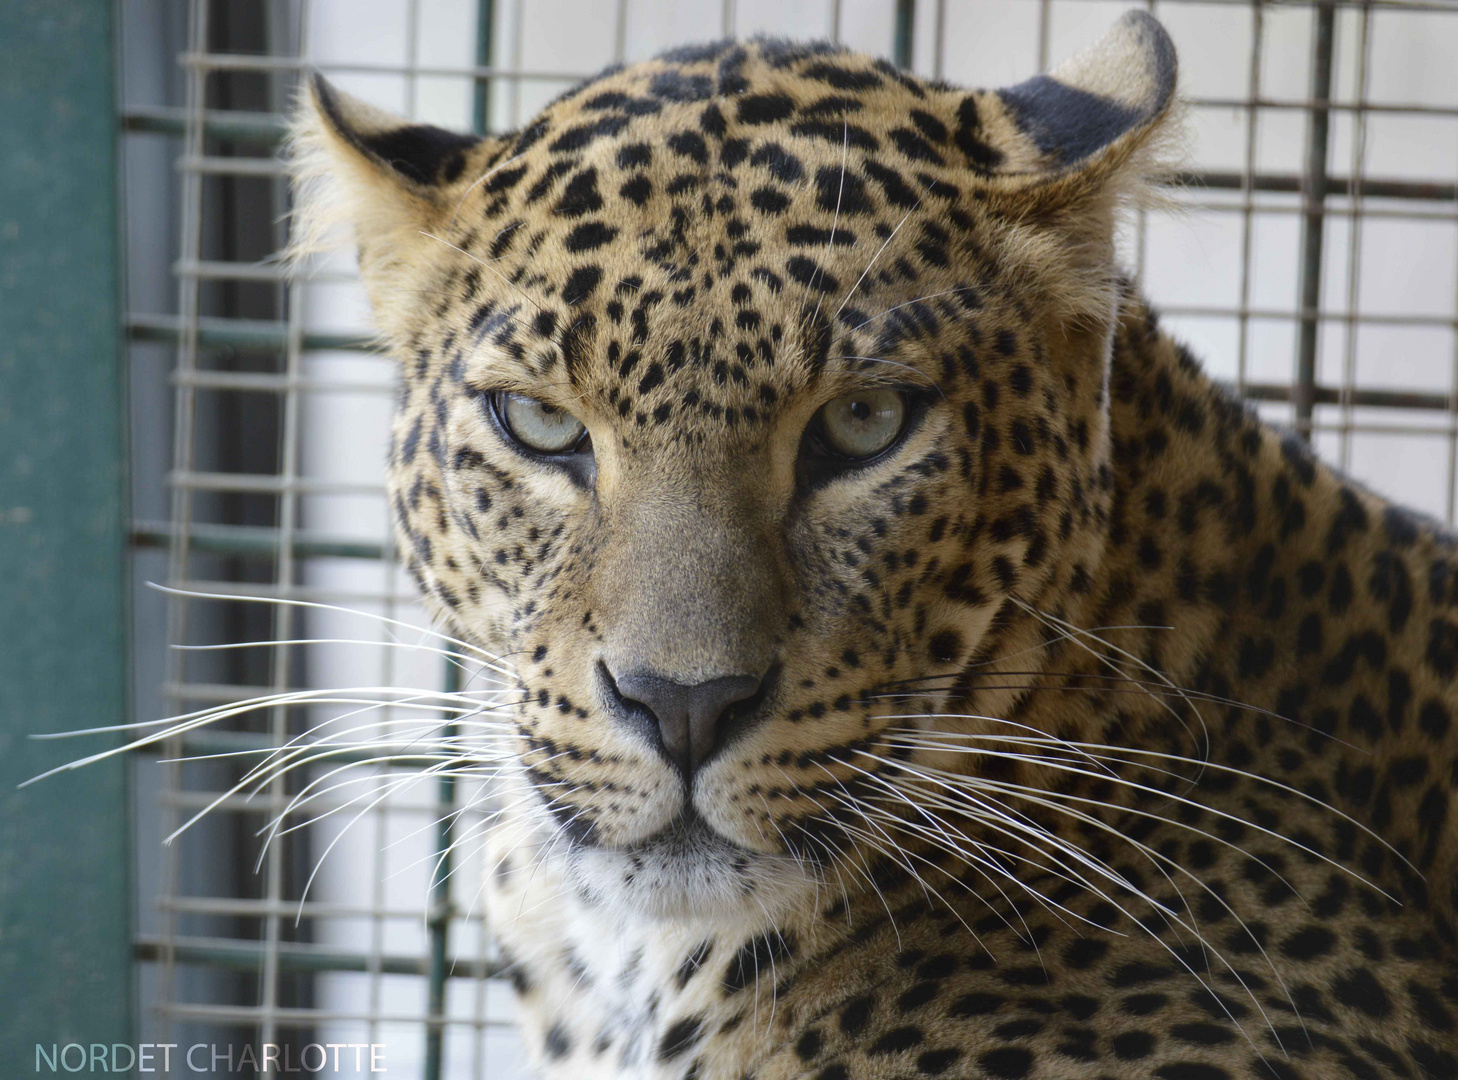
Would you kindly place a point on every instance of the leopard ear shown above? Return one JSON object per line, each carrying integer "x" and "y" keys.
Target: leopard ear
{"x": 1064, "y": 152}
{"x": 388, "y": 180}
{"x": 1102, "y": 103}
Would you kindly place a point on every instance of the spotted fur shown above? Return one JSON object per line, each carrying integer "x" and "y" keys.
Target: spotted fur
{"x": 1102, "y": 730}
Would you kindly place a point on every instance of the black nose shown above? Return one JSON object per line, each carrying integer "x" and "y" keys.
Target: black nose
{"x": 689, "y": 718}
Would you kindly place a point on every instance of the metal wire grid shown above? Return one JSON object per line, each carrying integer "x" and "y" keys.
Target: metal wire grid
{"x": 295, "y": 363}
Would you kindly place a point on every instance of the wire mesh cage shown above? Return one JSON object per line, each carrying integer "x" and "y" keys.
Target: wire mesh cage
{"x": 1310, "y": 258}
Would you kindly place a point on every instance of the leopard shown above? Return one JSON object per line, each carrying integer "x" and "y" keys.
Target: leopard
{"x": 918, "y": 666}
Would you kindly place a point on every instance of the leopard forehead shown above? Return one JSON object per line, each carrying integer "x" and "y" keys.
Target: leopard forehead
{"x": 709, "y": 230}
{"x": 694, "y": 238}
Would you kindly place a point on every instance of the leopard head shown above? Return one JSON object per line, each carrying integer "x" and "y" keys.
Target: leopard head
{"x": 736, "y": 387}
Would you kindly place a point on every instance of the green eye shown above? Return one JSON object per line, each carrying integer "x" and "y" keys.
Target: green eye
{"x": 539, "y": 426}
{"x": 862, "y": 424}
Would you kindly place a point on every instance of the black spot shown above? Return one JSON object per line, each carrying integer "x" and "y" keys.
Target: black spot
{"x": 810, "y": 273}
{"x": 897, "y": 193}
{"x": 637, "y": 190}
{"x": 676, "y": 86}
{"x": 915, "y": 147}
{"x": 1007, "y": 1062}
{"x": 807, "y": 1048}
{"x": 689, "y": 144}
{"x": 782, "y": 164}
{"x": 1434, "y": 719}
{"x": 975, "y": 1004}
{"x": 680, "y": 1036}
{"x": 634, "y": 155}
{"x": 614, "y": 99}
{"x": 756, "y": 955}
{"x": 838, "y": 135}
{"x": 841, "y": 78}
{"x": 1442, "y": 654}
{"x": 581, "y": 284}
{"x": 1132, "y": 1045}
{"x": 856, "y": 1015}
{"x": 936, "y": 1062}
{"x": 768, "y": 200}
{"x": 897, "y": 1039}
{"x": 419, "y": 152}
{"x": 1203, "y": 1034}
{"x": 1361, "y": 990}
{"x": 1085, "y": 952}
{"x": 1191, "y": 1070}
{"x": 581, "y": 195}
{"x": 841, "y": 191}
{"x": 590, "y": 236}
{"x": 765, "y": 108}
{"x": 583, "y": 135}
{"x": 945, "y": 646}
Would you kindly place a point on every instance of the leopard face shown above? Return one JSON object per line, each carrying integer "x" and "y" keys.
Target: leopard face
{"x": 740, "y": 389}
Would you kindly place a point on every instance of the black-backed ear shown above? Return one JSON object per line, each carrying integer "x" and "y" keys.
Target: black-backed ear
{"x": 1110, "y": 94}
{"x": 1070, "y": 149}
{"x": 423, "y": 155}
{"x": 386, "y": 180}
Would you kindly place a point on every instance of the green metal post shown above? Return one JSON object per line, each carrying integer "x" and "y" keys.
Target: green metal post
{"x": 64, "y": 920}
{"x": 485, "y": 21}
{"x": 904, "y": 40}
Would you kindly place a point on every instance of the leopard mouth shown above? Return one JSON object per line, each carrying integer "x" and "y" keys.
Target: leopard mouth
{"x": 685, "y": 869}
{"x": 687, "y": 837}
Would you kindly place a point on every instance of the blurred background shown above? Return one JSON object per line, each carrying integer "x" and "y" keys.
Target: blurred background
{"x": 177, "y": 408}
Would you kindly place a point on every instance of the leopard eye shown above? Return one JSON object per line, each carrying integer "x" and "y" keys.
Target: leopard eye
{"x": 863, "y": 424}
{"x": 539, "y": 426}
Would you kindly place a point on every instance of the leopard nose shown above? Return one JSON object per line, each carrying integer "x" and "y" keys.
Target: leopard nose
{"x": 689, "y": 719}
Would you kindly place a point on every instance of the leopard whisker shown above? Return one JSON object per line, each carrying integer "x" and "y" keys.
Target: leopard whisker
{"x": 444, "y": 766}
{"x": 1108, "y": 753}
{"x": 1170, "y": 914}
{"x": 455, "y": 659}
{"x": 1157, "y": 857}
{"x": 862, "y": 871}
{"x": 188, "y": 722}
{"x": 946, "y": 841}
{"x": 1006, "y": 820}
{"x": 928, "y": 889}
{"x": 480, "y": 732}
{"x": 1153, "y": 687}
{"x": 884, "y": 245}
{"x": 986, "y": 867}
{"x": 492, "y": 171}
{"x": 451, "y": 817}
{"x": 981, "y": 861}
{"x": 485, "y": 265}
{"x": 1077, "y": 639}
{"x": 1071, "y": 747}
{"x": 315, "y": 605}
{"x": 1148, "y": 790}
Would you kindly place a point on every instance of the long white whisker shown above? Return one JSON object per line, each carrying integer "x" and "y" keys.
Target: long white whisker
{"x": 886, "y": 243}
{"x": 477, "y": 183}
{"x": 491, "y": 658}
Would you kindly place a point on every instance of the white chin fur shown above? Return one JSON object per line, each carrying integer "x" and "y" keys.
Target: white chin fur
{"x": 688, "y": 874}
